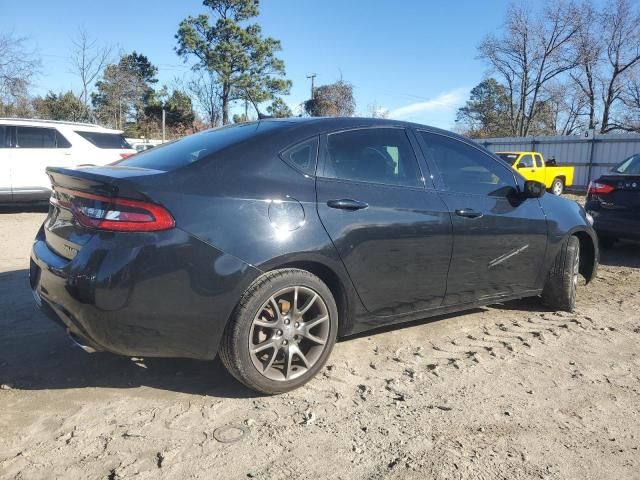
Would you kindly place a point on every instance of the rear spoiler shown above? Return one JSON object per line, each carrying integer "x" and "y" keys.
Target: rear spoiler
{"x": 93, "y": 180}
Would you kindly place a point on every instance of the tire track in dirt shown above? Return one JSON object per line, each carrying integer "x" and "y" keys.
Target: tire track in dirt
{"x": 499, "y": 340}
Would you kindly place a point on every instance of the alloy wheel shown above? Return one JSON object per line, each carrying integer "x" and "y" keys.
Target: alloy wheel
{"x": 289, "y": 333}
{"x": 557, "y": 188}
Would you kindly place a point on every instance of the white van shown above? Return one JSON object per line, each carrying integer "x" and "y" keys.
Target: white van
{"x": 27, "y": 147}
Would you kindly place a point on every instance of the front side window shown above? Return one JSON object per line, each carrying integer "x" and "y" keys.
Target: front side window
{"x": 466, "y": 169}
{"x": 526, "y": 161}
{"x": 35, "y": 137}
{"x": 303, "y": 156}
{"x": 373, "y": 155}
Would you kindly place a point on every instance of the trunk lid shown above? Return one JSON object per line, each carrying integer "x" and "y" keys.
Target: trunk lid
{"x": 91, "y": 190}
{"x": 625, "y": 194}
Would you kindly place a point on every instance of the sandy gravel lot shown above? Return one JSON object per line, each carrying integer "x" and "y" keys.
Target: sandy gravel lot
{"x": 511, "y": 391}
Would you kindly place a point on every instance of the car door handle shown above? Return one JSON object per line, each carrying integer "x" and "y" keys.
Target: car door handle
{"x": 347, "y": 204}
{"x": 468, "y": 213}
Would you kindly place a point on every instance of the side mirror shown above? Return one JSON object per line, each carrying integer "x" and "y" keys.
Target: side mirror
{"x": 520, "y": 165}
{"x": 533, "y": 189}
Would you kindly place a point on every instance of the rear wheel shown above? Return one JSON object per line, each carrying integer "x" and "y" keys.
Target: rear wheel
{"x": 281, "y": 332}
{"x": 557, "y": 187}
{"x": 560, "y": 289}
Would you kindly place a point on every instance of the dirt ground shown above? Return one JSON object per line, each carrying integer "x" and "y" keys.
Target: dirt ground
{"x": 511, "y": 391}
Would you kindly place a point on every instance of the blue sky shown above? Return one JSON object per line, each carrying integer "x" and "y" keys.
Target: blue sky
{"x": 416, "y": 58}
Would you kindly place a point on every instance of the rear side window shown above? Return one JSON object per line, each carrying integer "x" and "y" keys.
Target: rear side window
{"x": 39, "y": 137}
{"x": 466, "y": 169}
{"x": 173, "y": 155}
{"x": 538, "y": 159}
{"x": 303, "y": 156}
{"x": 631, "y": 166}
{"x": 113, "y": 141}
{"x": 373, "y": 155}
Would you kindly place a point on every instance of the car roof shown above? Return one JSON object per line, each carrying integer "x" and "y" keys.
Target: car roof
{"x": 519, "y": 152}
{"x": 319, "y": 124}
{"x": 38, "y": 122}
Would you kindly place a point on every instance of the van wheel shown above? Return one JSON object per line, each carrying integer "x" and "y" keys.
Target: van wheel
{"x": 557, "y": 187}
{"x": 559, "y": 291}
{"x": 282, "y": 331}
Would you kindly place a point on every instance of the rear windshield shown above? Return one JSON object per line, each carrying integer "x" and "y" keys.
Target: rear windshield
{"x": 179, "y": 153}
{"x": 631, "y": 166}
{"x": 509, "y": 158}
{"x": 105, "y": 140}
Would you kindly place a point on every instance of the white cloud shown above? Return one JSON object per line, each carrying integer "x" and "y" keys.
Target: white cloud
{"x": 445, "y": 103}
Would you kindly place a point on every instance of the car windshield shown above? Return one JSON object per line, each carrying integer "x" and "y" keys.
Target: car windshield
{"x": 179, "y": 153}
{"x": 509, "y": 158}
{"x": 631, "y": 166}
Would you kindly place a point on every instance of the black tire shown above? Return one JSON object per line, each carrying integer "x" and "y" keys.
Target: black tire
{"x": 557, "y": 186}
{"x": 605, "y": 241}
{"x": 235, "y": 345}
{"x": 559, "y": 291}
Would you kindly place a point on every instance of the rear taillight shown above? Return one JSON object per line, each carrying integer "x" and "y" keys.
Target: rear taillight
{"x": 125, "y": 155}
{"x": 116, "y": 214}
{"x": 599, "y": 188}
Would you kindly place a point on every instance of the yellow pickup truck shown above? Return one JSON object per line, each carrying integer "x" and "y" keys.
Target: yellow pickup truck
{"x": 532, "y": 166}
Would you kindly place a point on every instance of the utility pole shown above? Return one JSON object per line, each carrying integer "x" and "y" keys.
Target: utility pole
{"x": 312, "y": 76}
{"x": 164, "y": 121}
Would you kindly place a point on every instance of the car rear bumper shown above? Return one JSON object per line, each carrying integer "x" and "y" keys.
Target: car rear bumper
{"x": 613, "y": 224}
{"x": 161, "y": 294}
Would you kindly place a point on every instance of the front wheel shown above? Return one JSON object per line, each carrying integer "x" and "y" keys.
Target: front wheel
{"x": 557, "y": 187}
{"x": 281, "y": 332}
{"x": 559, "y": 291}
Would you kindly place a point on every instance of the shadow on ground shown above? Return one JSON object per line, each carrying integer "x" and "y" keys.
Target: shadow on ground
{"x": 35, "y": 354}
{"x": 28, "y": 208}
{"x": 622, "y": 254}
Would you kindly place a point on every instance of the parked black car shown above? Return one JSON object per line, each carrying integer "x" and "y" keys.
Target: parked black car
{"x": 263, "y": 242}
{"x": 613, "y": 200}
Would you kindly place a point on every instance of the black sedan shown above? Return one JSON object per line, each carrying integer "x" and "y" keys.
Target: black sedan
{"x": 263, "y": 242}
{"x": 613, "y": 200}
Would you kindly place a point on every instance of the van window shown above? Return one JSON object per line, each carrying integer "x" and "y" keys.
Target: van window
{"x": 114, "y": 141}
{"x": 35, "y": 137}
{"x": 4, "y": 136}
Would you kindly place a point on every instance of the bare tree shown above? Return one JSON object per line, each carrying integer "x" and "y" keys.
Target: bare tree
{"x": 620, "y": 26}
{"x": 569, "y": 107}
{"x": 206, "y": 91}
{"x": 587, "y": 48}
{"x": 631, "y": 99}
{"x": 18, "y": 66}
{"x": 531, "y": 53}
{"x": 88, "y": 60}
{"x": 375, "y": 110}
